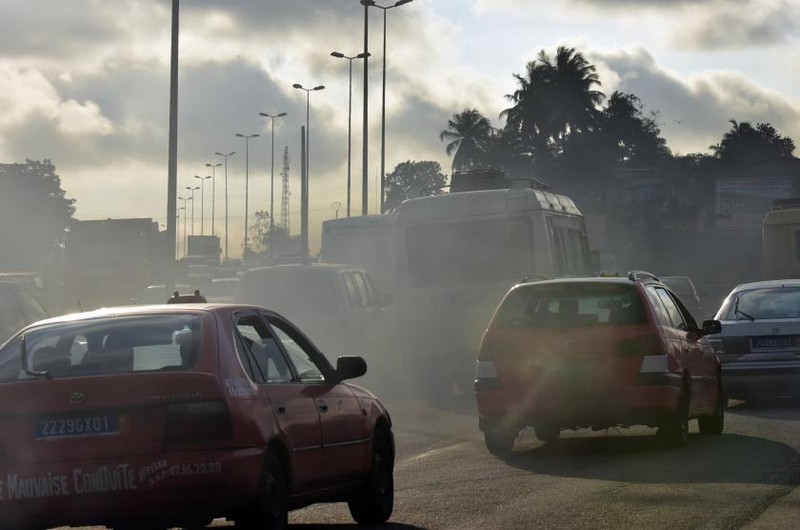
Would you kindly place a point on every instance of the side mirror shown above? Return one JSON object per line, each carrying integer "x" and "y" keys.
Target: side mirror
{"x": 712, "y": 327}
{"x": 350, "y": 366}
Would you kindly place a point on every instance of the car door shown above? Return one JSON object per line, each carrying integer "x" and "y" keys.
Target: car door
{"x": 693, "y": 357}
{"x": 344, "y": 430}
{"x": 294, "y": 409}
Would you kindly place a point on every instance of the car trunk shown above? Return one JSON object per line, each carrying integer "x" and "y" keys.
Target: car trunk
{"x": 761, "y": 340}
{"x": 96, "y": 417}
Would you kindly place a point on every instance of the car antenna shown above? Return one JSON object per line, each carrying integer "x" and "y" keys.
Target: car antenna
{"x": 80, "y": 307}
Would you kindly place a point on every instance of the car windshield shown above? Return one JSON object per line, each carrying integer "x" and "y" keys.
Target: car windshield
{"x": 571, "y": 305}
{"x": 761, "y": 304}
{"x": 104, "y": 346}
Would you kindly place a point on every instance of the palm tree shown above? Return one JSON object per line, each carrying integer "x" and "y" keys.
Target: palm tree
{"x": 468, "y": 134}
{"x": 555, "y": 96}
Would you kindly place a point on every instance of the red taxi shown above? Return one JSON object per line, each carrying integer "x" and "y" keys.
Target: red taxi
{"x": 160, "y": 416}
{"x": 596, "y": 353}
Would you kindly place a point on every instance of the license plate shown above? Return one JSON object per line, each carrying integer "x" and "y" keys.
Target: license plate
{"x": 76, "y": 425}
{"x": 773, "y": 343}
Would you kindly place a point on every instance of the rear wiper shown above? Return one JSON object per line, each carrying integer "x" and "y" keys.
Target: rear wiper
{"x": 737, "y": 311}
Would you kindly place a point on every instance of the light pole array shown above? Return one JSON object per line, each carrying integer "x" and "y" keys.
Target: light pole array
{"x": 340, "y": 55}
{"x": 246, "y": 185}
{"x": 202, "y": 202}
{"x": 272, "y": 183}
{"x": 365, "y": 127}
{"x": 304, "y": 182}
{"x": 371, "y": 3}
{"x": 192, "y": 189}
{"x": 226, "y": 156}
{"x": 213, "y": 194}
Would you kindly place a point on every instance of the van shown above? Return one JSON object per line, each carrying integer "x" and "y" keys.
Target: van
{"x": 338, "y": 306}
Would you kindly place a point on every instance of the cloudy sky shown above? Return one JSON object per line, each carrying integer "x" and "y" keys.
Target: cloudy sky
{"x": 85, "y": 83}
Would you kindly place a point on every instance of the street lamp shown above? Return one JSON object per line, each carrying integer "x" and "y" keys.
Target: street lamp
{"x": 192, "y": 189}
{"x": 246, "y": 184}
{"x": 304, "y": 187}
{"x": 184, "y": 227}
{"x": 365, "y": 127}
{"x": 340, "y": 55}
{"x": 184, "y": 208}
{"x": 370, "y": 3}
{"x": 226, "y": 156}
{"x": 202, "y": 201}
{"x": 272, "y": 183}
{"x": 213, "y": 194}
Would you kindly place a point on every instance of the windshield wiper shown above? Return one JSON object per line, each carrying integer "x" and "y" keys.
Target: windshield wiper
{"x": 737, "y": 311}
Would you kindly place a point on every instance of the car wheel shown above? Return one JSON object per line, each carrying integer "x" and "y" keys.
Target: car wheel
{"x": 710, "y": 425}
{"x": 674, "y": 432}
{"x": 547, "y": 432}
{"x": 271, "y": 508}
{"x": 499, "y": 441}
{"x": 374, "y": 502}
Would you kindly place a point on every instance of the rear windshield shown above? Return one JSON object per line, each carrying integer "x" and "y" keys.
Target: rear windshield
{"x": 106, "y": 346}
{"x": 779, "y": 302}
{"x": 571, "y": 305}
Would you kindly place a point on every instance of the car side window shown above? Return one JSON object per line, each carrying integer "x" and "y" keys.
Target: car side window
{"x": 262, "y": 357}
{"x": 353, "y": 295}
{"x": 368, "y": 296}
{"x": 675, "y": 314}
{"x": 662, "y": 315}
{"x": 303, "y": 360}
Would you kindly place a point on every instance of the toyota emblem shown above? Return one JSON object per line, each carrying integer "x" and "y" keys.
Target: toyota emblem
{"x": 76, "y": 397}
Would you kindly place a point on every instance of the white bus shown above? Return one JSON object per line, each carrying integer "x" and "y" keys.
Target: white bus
{"x": 457, "y": 255}
{"x": 782, "y": 243}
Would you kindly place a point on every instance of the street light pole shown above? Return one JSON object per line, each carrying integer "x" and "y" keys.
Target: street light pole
{"x": 272, "y": 184}
{"x": 349, "y": 114}
{"x": 213, "y": 194}
{"x": 192, "y": 189}
{"x": 184, "y": 208}
{"x": 225, "y": 156}
{"x": 202, "y": 202}
{"x": 383, "y": 100}
{"x": 365, "y": 139}
{"x": 304, "y": 186}
{"x": 246, "y": 185}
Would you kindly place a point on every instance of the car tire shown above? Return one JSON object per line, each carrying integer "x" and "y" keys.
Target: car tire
{"x": 271, "y": 507}
{"x": 374, "y": 501}
{"x": 499, "y": 441}
{"x": 547, "y": 432}
{"x": 674, "y": 432}
{"x": 714, "y": 424}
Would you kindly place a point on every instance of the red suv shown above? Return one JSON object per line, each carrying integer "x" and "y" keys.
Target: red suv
{"x": 596, "y": 353}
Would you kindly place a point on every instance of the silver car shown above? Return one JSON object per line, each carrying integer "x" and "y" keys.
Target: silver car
{"x": 760, "y": 341}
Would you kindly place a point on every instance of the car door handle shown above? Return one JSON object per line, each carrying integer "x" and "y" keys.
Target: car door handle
{"x": 323, "y": 407}
{"x": 281, "y": 408}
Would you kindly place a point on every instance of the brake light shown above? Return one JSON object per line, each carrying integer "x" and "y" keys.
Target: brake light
{"x": 197, "y": 421}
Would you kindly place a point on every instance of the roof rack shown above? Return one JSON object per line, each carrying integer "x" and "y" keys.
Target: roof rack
{"x": 635, "y": 276}
{"x": 195, "y": 298}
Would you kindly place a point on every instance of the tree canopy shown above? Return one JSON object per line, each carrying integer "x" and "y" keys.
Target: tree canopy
{"x": 411, "y": 179}
{"x": 744, "y": 143}
{"x": 34, "y": 214}
{"x": 468, "y": 134}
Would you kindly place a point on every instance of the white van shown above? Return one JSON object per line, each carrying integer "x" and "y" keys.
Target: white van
{"x": 458, "y": 254}
{"x": 337, "y": 306}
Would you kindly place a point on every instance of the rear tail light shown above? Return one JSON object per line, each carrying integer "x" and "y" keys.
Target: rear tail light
{"x": 485, "y": 376}
{"x": 653, "y": 364}
{"x": 197, "y": 421}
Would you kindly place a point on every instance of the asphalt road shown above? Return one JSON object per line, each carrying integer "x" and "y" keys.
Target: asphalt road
{"x": 445, "y": 478}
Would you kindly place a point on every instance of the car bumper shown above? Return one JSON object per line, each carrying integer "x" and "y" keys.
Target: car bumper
{"x": 749, "y": 380}
{"x": 166, "y": 488}
{"x": 630, "y": 405}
